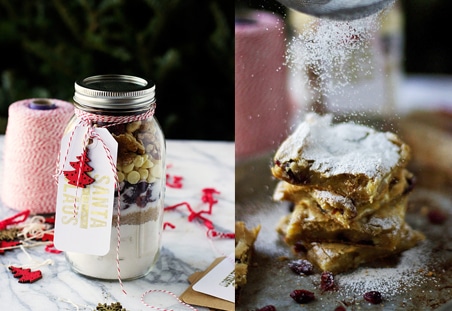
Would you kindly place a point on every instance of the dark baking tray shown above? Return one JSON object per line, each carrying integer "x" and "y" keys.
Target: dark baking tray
{"x": 418, "y": 279}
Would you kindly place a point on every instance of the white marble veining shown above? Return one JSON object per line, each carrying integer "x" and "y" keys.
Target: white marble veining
{"x": 185, "y": 250}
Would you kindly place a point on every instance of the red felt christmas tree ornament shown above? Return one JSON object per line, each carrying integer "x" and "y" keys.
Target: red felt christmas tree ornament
{"x": 7, "y": 245}
{"x": 79, "y": 177}
{"x": 25, "y": 275}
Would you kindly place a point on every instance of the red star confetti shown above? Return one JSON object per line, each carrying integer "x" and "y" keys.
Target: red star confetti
{"x": 25, "y": 275}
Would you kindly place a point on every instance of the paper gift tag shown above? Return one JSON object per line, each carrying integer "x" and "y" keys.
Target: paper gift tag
{"x": 86, "y": 190}
{"x": 220, "y": 281}
{"x": 193, "y": 297}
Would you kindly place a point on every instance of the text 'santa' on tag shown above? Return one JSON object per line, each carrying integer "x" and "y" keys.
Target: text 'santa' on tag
{"x": 86, "y": 189}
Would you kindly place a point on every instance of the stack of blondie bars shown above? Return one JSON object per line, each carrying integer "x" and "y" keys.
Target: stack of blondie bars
{"x": 348, "y": 186}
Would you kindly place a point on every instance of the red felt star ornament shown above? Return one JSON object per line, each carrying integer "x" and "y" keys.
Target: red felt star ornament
{"x": 25, "y": 275}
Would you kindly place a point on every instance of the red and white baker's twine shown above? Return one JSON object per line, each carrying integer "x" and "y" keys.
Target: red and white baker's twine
{"x": 165, "y": 292}
{"x": 171, "y": 181}
{"x": 174, "y": 181}
{"x": 32, "y": 142}
{"x": 35, "y": 232}
{"x": 90, "y": 119}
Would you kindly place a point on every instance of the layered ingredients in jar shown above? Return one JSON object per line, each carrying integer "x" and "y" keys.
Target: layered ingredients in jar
{"x": 141, "y": 172}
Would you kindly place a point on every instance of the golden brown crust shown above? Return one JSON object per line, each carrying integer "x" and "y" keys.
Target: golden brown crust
{"x": 305, "y": 159}
{"x": 349, "y": 186}
{"x": 337, "y": 257}
{"x": 244, "y": 244}
{"x": 342, "y": 209}
{"x": 383, "y": 228}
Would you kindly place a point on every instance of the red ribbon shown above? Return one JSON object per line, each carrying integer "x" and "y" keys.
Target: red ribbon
{"x": 174, "y": 181}
{"x": 14, "y": 220}
{"x": 50, "y": 248}
{"x": 168, "y": 224}
{"x": 207, "y": 197}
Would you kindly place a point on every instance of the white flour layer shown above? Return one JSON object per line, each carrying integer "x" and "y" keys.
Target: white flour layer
{"x": 138, "y": 252}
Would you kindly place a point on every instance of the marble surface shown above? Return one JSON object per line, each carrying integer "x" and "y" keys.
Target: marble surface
{"x": 186, "y": 249}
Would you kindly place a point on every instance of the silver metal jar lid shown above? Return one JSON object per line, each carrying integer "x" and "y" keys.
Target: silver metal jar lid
{"x": 114, "y": 92}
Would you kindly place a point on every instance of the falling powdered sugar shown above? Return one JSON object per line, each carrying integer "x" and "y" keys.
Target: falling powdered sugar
{"x": 330, "y": 43}
{"x": 337, "y": 56}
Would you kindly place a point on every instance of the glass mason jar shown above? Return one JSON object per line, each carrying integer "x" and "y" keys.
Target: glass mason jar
{"x": 140, "y": 170}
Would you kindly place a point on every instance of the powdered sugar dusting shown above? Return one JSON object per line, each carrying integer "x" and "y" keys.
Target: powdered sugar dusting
{"x": 332, "y": 198}
{"x": 345, "y": 148}
{"x": 409, "y": 273}
{"x": 385, "y": 223}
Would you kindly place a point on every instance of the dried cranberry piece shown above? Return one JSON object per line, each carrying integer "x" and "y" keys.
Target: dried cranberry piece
{"x": 327, "y": 281}
{"x": 340, "y": 308}
{"x": 302, "y": 295}
{"x": 437, "y": 216}
{"x": 298, "y": 179}
{"x": 129, "y": 193}
{"x": 373, "y": 297}
{"x": 142, "y": 186}
{"x": 141, "y": 201}
{"x": 267, "y": 308}
{"x": 140, "y": 193}
{"x": 301, "y": 266}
